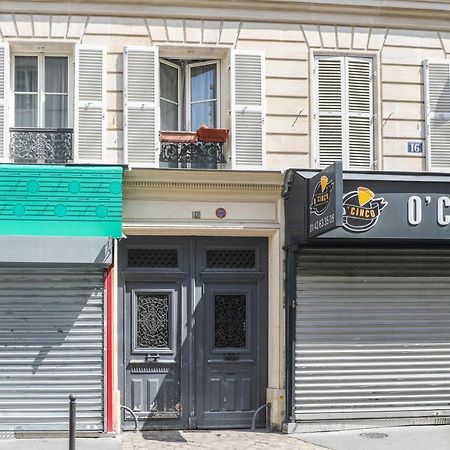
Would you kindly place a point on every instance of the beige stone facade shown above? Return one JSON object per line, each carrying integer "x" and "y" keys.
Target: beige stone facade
{"x": 398, "y": 35}
{"x": 398, "y": 50}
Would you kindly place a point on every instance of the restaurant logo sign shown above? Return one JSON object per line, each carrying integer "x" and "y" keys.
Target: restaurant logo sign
{"x": 321, "y": 195}
{"x": 324, "y": 201}
{"x": 361, "y": 210}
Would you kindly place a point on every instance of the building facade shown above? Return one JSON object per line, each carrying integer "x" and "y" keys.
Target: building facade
{"x": 194, "y": 327}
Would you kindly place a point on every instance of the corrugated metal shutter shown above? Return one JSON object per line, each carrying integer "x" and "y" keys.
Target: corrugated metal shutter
{"x": 4, "y": 76}
{"x": 372, "y": 333}
{"x": 141, "y": 106}
{"x": 437, "y": 101}
{"x": 248, "y": 110}
{"x": 51, "y": 345}
{"x": 90, "y": 107}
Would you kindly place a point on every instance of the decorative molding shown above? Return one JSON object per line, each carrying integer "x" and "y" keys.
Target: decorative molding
{"x": 202, "y": 186}
{"x": 412, "y": 14}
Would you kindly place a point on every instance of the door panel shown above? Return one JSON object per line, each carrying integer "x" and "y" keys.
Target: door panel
{"x": 152, "y": 351}
{"x": 227, "y": 386}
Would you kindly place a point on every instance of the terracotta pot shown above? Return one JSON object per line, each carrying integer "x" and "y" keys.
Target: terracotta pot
{"x": 206, "y": 134}
{"x": 178, "y": 137}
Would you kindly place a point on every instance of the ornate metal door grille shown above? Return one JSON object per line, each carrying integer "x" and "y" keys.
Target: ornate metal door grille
{"x": 152, "y": 321}
{"x": 230, "y": 259}
{"x": 230, "y": 321}
{"x": 153, "y": 258}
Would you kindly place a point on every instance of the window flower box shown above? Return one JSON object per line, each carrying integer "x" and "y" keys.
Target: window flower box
{"x": 178, "y": 137}
{"x": 218, "y": 135}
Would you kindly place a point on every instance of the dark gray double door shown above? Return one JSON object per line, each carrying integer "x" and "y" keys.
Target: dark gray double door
{"x": 194, "y": 331}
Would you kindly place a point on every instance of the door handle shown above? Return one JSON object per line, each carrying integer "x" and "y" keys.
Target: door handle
{"x": 147, "y": 358}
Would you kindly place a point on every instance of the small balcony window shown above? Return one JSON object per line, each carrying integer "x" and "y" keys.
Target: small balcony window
{"x": 189, "y": 99}
{"x": 41, "y": 131}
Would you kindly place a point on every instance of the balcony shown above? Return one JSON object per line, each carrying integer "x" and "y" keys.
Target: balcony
{"x": 201, "y": 149}
{"x": 41, "y": 145}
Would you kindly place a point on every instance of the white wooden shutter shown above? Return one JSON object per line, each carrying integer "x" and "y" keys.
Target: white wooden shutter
{"x": 329, "y": 129}
{"x": 360, "y": 113}
{"x": 141, "y": 106}
{"x": 4, "y": 88}
{"x": 248, "y": 110}
{"x": 344, "y": 113}
{"x": 90, "y": 103}
{"x": 437, "y": 101}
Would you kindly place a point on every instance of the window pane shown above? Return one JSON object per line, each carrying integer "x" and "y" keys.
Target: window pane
{"x": 26, "y": 74}
{"x": 55, "y": 111}
{"x": 169, "y": 116}
{"x": 168, "y": 82}
{"x": 203, "y": 82}
{"x": 203, "y": 113}
{"x": 56, "y": 74}
{"x": 26, "y": 113}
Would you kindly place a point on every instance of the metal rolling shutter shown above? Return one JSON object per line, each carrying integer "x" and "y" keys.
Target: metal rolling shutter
{"x": 51, "y": 344}
{"x": 372, "y": 333}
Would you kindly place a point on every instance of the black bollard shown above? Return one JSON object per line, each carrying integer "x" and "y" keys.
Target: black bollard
{"x": 72, "y": 421}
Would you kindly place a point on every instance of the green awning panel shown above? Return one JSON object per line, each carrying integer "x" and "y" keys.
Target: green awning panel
{"x": 45, "y": 200}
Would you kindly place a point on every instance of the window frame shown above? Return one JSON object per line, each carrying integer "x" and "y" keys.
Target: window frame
{"x": 41, "y": 86}
{"x": 184, "y": 99}
{"x": 375, "y": 105}
{"x": 188, "y": 78}
{"x": 180, "y": 92}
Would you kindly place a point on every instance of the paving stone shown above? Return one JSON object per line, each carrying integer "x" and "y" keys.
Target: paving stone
{"x": 217, "y": 440}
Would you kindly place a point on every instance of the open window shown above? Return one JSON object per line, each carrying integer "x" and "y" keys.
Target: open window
{"x": 179, "y": 110}
{"x": 189, "y": 94}
{"x": 190, "y": 99}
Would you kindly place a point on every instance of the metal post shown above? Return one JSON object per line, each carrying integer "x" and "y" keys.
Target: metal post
{"x": 72, "y": 421}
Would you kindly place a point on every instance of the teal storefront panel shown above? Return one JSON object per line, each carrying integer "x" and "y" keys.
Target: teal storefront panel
{"x": 45, "y": 200}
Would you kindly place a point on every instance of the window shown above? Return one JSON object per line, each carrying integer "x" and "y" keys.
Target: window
{"x": 175, "y": 94}
{"x": 344, "y": 112}
{"x": 189, "y": 94}
{"x": 437, "y": 117}
{"x": 41, "y": 91}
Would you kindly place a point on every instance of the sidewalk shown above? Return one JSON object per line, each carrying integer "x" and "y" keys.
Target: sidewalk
{"x": 61, "y": 444}
{"x": 214, "y": 440}
{"x": 435, "y": 437}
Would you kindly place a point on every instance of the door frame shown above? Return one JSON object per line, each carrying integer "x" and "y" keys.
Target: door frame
{"x": 184, "y": 274}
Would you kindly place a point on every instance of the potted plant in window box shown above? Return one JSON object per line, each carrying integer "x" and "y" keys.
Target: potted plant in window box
{"x": 178, "y": 137}
{"x": 218, "y": 135}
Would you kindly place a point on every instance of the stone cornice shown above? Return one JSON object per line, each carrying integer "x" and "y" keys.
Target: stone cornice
{"x": 236, "y": 181}
{"x": 424, "y": 14}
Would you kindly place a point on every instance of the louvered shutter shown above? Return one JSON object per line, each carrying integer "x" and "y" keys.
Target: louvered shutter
{"x": 437, "y": 100}
{"x": 141, "y": 106}
{"x": 329, "y": 78}
{"x": 90, "y": 103}
{"x": 360, "y": 113}
{"x": 344, "y": 113}
{"x": 4, "y": 77}
{"x": 248, "y": 110}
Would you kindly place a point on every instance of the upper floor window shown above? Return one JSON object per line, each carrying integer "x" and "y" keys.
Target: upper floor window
{"x": 41, "y": 91}
{"x": 182, "y": 95}
{"x": 344, "y": 111}
{"x": 189, "y": 94}
{"x": 52, "y": 102}
{"x": 437, "y": 117}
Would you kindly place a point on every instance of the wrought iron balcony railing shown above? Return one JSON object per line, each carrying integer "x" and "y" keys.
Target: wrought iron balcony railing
{"x": 199, "y": 154}
{"x": 41, "y": 145}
